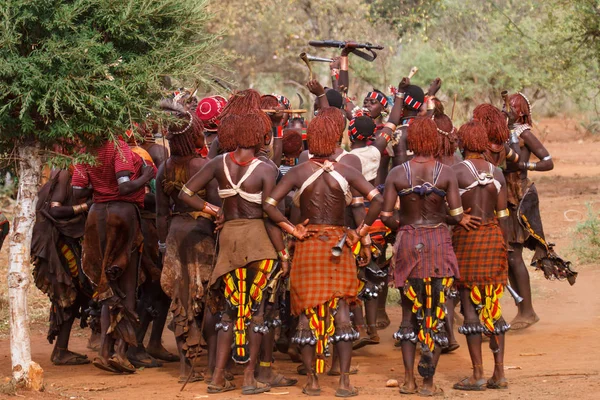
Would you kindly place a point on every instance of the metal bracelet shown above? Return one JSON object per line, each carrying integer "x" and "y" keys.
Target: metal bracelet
{"x": 357, "y": 200}
{"x": 162, "y": 247}
{"x": 187, "y": 191}
{"x": 548, "y": 157}
{"x": 271, "y": 201}
{"x": 386, "y": 214}
{"x": 514, "y": 138}
{"x": 123, "y": 179}
{"x": 531, "y": 166}
{"x": 372, "y": 194}
{"x": 456, "y": 211}
{"x": 502, "y": 213}
{"x": 390, "y": 125}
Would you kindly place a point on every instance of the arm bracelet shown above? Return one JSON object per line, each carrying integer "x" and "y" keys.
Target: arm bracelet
{"x": 531, "y": 166}
{"x": 284, "y": 255}
{"x": 548, "y": 157}
{"x": 271, "y": 201}
{"x": 430, "y": 104}
{"x": 372, "y": 194}
{"x": 278, "y": 132}
{"x": 502, "y": 213}
{"x": 456, "y": 211}
{"x": 344, "y": 63}
{"x": 210, "y": 209}
{"x": 321, "y": 95}
{"x": 514, "y": 138}
{"x": 162, "y": 246}
{"x": 390, "y": 125}
{"x": 357, "y": 200}
{"x": 363, "y": 230}
{"x": 386, "y": 214}
{"x": 77, "y": 209}
{"x": 366, "y": 240}
{"x": 187, "y": 191}
{"x": 123, "y": 179}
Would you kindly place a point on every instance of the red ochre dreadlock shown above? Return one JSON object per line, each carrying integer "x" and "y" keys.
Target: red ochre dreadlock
{"x": 250, "y": 129}
{"x": 473, "y": 136}
{"x": 449, "y": 138}
{"x": 520, "y": 106}
{"x": 244, "y": 102}
{"x": 322, "y": 135}
{"x": 423, "y": 138}
{"x": 494, "y": 122}
{"x": 336, "y": 115}
{"x": 181, "y": 140}
{"x": 226, "y": 133}
{"x": 268, "y": 102}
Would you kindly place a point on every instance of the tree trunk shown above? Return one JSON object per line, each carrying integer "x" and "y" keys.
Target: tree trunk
{"x": 19, "y": 275}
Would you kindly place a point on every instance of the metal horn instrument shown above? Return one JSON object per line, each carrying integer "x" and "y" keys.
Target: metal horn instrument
{"x": 304, "y": 58}
{"x": 412, "y": 72}
{"x": 337, "y": 249}
{"x": 317, "y": 59}
{"x": 514, "y": 294}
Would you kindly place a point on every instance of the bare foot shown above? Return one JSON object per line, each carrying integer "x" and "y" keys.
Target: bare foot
{"x": 523, "y": 322}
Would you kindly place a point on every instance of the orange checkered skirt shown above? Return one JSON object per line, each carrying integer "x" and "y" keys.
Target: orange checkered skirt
{"x": 317, "y": 276}
{"x": 482, "y": 256}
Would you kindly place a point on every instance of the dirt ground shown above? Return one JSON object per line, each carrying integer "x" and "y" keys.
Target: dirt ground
{"x": 556, "y": 358}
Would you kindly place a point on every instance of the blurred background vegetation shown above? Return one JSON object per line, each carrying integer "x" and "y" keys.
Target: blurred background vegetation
{"x": 549, "y": 49}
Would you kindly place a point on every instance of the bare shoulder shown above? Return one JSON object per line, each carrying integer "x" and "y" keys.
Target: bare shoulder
{"x": 352, "y": 160}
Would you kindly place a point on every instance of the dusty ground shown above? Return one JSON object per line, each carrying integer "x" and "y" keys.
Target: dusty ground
{"x": 557, "y": 358}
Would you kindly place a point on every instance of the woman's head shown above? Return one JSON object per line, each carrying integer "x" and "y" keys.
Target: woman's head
{"x": 422, "y": 137}
{"x": 494, "y": 122}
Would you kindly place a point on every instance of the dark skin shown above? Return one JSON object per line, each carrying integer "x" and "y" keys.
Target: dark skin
{"x": 518, "y": 273}
{"x": 396, "y": 114}
{"x": 484, "y": 201}
{"x": 262, "y": 180}
{"x": 128, "y": 281}
{"x": 158, "y": 152}
{"x": 152, "y": 294}
{"x": 164, "y": 203}
{"x": 60, "y": 353}
{"x": 323, "y": 203}
{"x": 419, "y": 211}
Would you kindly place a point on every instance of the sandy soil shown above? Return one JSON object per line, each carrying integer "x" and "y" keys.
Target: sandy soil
{"x": 556, "y": 358}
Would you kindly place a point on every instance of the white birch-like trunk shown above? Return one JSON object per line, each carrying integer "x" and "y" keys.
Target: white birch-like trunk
{"x": 19, "y": 273}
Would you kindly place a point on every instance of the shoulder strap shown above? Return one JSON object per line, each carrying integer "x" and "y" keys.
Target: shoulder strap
{"x": 406, "y": 166}
{"x": 437, "y": 171}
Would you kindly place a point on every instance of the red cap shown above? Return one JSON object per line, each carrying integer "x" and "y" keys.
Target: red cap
{"x": 209, "y": 109}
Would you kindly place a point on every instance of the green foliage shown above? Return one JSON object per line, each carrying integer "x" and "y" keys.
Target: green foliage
{"x": 87, "y": 69}
{"x": 586, "y": 237}
{"x": 547, "y": 49}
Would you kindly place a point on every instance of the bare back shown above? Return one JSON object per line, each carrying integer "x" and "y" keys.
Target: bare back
{"x": 424, "y": 189}
{"x": 480, "y": 196}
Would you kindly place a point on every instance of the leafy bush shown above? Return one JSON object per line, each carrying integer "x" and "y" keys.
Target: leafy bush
{"x": 586, "y": 237}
